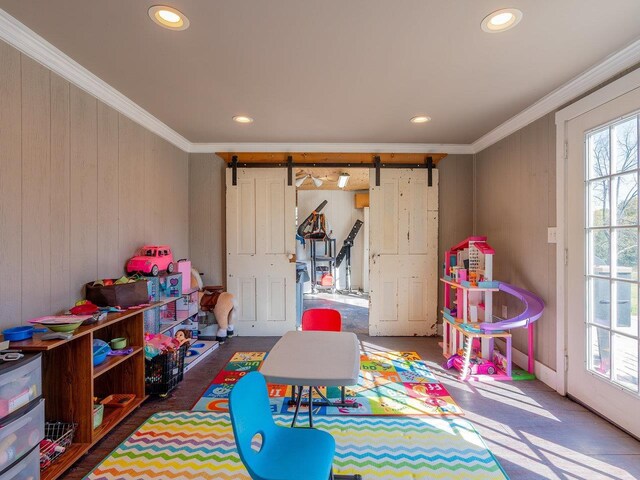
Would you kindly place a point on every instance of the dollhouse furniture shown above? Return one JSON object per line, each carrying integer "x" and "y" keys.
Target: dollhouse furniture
{"x": 285, "y": 452}
{"x": 302, "y": 359}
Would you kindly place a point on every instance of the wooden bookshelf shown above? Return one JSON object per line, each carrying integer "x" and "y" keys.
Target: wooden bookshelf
{"x": 70, "y": 381}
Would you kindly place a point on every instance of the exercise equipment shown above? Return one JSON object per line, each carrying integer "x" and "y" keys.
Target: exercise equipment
{"x": 345, "y": 252}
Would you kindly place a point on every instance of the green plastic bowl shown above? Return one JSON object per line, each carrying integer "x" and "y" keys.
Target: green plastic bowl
{"x": 62, "y": 327}
{"x": 118, "y": 343}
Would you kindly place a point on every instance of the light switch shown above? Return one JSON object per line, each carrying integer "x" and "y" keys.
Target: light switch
{"x": 552, "y": 235}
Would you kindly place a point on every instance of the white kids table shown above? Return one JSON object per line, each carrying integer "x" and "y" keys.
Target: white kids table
{"x": 314, "y": 359}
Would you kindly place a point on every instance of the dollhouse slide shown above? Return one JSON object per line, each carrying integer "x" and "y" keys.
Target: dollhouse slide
{"x": 534, "y": 306}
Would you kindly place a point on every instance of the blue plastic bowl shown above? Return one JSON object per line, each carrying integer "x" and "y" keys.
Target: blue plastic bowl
{"x": 16, "y": 334}
{"x": 100, "y": 351}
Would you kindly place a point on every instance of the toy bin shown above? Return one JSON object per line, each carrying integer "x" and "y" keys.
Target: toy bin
{"x": 20, "y": 382}
{"x": 27, "y": 468}
{"x": 58, "y": 436}
{"x": 171, "y": 285}
{"x": 152, "y": 320}
{"x": 188, "y": 303}
{"x": 163, "y": 372}
{"x": 18, "y": 436}
{"x": 98, "y": 412}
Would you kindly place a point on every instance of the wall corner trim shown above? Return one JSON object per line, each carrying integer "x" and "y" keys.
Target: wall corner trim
{"x": 33, "y": 45}
{"x": 594, "y": 76}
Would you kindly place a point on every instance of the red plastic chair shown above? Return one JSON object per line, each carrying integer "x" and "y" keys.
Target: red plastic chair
{"x": 323, "y": 319}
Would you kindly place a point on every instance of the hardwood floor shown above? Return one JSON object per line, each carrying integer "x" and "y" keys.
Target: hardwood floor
{"x": 534, "y": 432}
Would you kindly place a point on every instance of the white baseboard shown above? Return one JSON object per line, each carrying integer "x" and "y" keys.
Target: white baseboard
{"x": 543, "y": 373}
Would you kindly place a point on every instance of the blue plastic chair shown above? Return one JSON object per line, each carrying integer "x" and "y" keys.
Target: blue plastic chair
{"x": 285, "y": 453}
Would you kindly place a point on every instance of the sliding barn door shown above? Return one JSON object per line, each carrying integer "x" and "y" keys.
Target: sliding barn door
{"x": 260, "y": 237}
{"x": 404, "y": 253}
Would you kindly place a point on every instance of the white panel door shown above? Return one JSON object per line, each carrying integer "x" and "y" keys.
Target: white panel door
{"x": 403, "y": 238}
{"x": 602, "y": 261}
{"x": 260, "y": 237}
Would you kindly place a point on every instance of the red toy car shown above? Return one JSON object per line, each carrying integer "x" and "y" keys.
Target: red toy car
{"x": 151, "y": 260}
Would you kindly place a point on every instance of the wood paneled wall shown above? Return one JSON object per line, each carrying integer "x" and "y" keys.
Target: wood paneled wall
{"x": 456, "y": 208}
{"x": 207, "y": 219}
{"x": 515, "y": 203}
{"x": 81, "y": 187}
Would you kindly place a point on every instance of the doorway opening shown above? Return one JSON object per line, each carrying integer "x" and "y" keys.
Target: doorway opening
{"x": 332, "y": 243}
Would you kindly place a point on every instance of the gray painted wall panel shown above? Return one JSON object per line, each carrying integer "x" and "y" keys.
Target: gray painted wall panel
{"x": 456, "y": 208}
{"x": 207, "y": 218}
{"x": 515, "y": 204}
{"x": 63, "y": 200}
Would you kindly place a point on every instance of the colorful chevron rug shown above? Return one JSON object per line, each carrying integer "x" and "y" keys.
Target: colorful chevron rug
{"x": 200, "y": 445}
{"x": 391, "y": 383}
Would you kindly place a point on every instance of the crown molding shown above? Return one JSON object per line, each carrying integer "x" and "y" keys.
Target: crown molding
{"x": 450, "y": 149}
{"x": 30, "y": 43}
{"x": 33, "y": 45}
{"x": 596, "y": 75}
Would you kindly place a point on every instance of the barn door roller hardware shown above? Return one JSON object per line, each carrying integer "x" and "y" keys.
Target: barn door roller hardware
{"x": 234, "y": 172}
{"x": 429, "y": 163}
{"x": 376, "y": 163}
{"x": 311, "y": 160}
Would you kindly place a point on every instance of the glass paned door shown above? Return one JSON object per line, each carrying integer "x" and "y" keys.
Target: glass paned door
{"x": 611, "y": 243}
{"x": 600, "y": 281}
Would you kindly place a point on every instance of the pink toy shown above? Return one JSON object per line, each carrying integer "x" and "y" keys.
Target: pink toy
{"x": 468, "y": 319}
{"x": 477, "y": 366}
{"x": 151, "y": 260}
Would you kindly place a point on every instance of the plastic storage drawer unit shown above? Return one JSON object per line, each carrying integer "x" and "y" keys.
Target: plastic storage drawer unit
{"x": 26, "y": 469}
{"x": 20, "y": 382}
{"x": 21, "y": 434}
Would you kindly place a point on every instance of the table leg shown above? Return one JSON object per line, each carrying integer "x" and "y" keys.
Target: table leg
{"x": 310, "y": 405}
{"x": 298, "y": 402}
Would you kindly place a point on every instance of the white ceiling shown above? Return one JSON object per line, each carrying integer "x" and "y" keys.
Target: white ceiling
{"x": 333, "y": 71}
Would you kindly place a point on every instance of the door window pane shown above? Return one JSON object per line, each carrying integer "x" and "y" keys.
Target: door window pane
{"x": 626, "y": 199}
{"x": 600, "y": 296}
{"x": 625, "y": 145}
{"x": 625, "y": 361}
{"x": 600, "y": 253}
{"x": 600, "y": 352}
{"x": 599, "y": 197}
{"x": 626, "y": 253}
{"x": 624, "y": 306}
{"x": 612, "y": 244}
{"x": 599, "y": 153}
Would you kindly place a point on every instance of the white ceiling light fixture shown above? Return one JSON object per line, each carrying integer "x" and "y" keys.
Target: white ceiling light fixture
{"x": 343, "y": 179}
{"x": 168, "y": 17}
{"x": 316, "y": 181}
{"x": 420, "y": 119}
{"x": 242, "y": 119}
{"x": 501, "y": 20}
{"x": 301, "y": 180}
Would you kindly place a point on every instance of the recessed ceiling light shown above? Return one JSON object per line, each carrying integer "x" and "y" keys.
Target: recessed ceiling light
{"x": 420, "y": 119}
{"x": 168, "y": 17}
{"x": 242, "y": 119}
{"x": 501, "y": 20}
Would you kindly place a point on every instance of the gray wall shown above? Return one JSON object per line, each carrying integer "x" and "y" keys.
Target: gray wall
{"x": 81, "y": 187}
{"x": 456, "y": 208}
{"x": 207, "y": 219}
{"x": 514, "y": 204}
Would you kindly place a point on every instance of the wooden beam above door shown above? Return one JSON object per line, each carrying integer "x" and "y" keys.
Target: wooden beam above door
{"x": 318, "y": 159}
